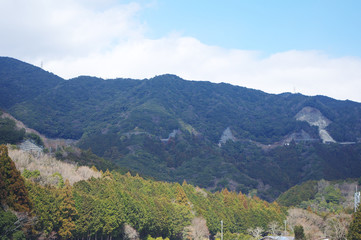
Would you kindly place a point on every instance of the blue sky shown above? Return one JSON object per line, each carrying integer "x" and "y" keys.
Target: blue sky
{"x": 263, "y": 25}
{"x": 310, "y": 47}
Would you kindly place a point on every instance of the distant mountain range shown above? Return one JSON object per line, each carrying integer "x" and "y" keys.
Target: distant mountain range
{"x": 212, "y": 135}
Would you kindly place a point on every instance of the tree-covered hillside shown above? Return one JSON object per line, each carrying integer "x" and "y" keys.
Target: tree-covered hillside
{"x": 322, "y": 197}
{"x": 115, "y": 206}
{"x": 83, "y": 104}
{"x": 171, "y": 129}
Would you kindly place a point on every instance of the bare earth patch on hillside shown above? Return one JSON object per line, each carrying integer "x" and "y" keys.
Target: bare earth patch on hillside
{"x": 314, "y": 117}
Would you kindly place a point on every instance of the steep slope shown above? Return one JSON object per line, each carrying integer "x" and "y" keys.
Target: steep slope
{"x": 172, "y": 129}
{"x": 315, "y": 118}
{"x": 21, "y": 81}
{"x": 13, "y": 131}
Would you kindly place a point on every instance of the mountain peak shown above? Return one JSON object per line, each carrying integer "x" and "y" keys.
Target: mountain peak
{"x": 166, "y": 76}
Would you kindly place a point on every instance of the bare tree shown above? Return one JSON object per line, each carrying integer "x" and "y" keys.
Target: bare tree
{"x": 336, "y": 227}
{"x": 313, "y": 224}
{"x": 48, "y": 166}
{"x": 274, "y": 228}
{"x": 255, "y": 232}
{"x": 130, "y": 233}
{"x": 198, "y": 230}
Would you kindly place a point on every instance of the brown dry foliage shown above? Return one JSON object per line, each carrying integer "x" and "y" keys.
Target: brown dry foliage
{"x": 313, "y": 224}
{"x": 130, "y": 233}
{"x": 198, "y": 229}
{"x": 315, "y": 227}
{"x": 48, "y": 166}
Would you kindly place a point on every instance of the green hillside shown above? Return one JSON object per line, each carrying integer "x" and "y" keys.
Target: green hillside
{"x": 170, "y": 129}
{"x": 115, "y": 206}
{"x": 322, "y": 197}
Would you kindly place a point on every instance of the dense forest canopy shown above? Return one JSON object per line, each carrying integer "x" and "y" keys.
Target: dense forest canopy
{"x": 241, "y": 144}
{"x": 212, "y": 135}
{"x": 109, "y": 205}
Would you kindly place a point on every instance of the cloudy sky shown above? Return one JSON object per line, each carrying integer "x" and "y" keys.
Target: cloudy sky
{"x": 309, "y": 46}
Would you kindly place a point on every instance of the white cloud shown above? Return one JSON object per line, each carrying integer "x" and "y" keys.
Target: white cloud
{"x": 59, "y": 29}
{"x": 107, "y": 40}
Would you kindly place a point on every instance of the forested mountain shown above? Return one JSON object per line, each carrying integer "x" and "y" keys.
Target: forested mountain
{"x": 212, "y": 135}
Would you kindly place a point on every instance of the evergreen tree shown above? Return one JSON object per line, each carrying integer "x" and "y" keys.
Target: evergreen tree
{"x": 12, "y": 187}
{"x": 354, "y": 231}
{"x": 299, "y": 233}
{"x": 9, "y": 132}
{"x": 46, "y": 206}
{"x": 68, "y": 212}
{"x": 3, "y": 192}
{"x": 181, "y": 197}
{"x": 100, "y": 207}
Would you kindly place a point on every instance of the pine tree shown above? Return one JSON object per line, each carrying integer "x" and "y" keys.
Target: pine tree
{"x": 3, "y": 191}
{"x": 12, "y": 186}
{"x": 354, "y": 232}
{"x": 299, "y": 233}
{"x": 181, "y": 197}
{"x": 68, "y": 212}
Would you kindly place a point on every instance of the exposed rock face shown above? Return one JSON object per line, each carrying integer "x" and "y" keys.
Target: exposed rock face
{"x": 227, "y": 135}
{"x": 325, "y": 136}
{"x": 315, "y": 118}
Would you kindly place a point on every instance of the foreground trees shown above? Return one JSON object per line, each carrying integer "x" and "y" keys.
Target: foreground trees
{"x": 117, "y": 206}
{"x": 111, "y": 206}
{"x": 13, "y": 196}
{"x": 13, "y": 192}
{"x": 354, "y": 232}
{"x": 336, "y": 226}
{"x": 67, "y": 212}
{"x": 299, "y": 233}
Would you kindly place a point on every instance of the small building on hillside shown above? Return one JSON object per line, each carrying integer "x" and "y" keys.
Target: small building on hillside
{"x": 29, "y": 146}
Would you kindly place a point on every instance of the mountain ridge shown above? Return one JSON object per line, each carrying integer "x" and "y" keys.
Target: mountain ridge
{"x": 110, "y": 117}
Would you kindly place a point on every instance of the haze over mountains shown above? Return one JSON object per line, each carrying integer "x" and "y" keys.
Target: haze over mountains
{"x": 212, "y": 135}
